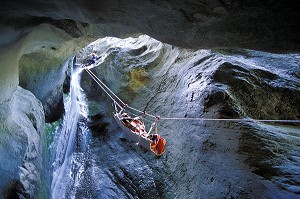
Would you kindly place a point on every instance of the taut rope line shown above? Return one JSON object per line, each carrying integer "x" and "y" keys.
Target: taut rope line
{"x": 110, "y": 92}
{"x": 228, "y": 119}
{"x": 103, "y": 88}
{"x": 101, "y": 84}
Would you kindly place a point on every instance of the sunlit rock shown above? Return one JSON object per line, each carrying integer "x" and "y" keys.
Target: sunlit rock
{"x": 38, "y": 37}
{"x": 210, "y": 158}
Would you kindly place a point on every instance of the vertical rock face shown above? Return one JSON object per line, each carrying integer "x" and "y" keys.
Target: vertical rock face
{"x": 203, "y": 159}
{"x": 43, "y": 65}
{"x": 21, "y": 132}
{"x": 45, "y": 81}
{"x": 37, "y": 36}
{"x": 10, "y": 72}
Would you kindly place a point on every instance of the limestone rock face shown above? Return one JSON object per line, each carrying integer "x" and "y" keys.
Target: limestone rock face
{"x": 203, "y": 159}
{"x": 39, "y": 31}
{"x": 37, "y": 36}
{"x": 49, "y": 33}
{"x": 22, "y": 126}
{"x": 43, "y": 66}
{"x": 249, "y": 88}
{"x": 269, "y": 25}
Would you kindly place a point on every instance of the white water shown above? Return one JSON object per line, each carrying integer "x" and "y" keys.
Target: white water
{"x": 176, "y": 76}
{"x": 70, "y": 139}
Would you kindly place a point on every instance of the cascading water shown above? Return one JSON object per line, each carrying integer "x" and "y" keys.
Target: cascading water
{"x": 79, "y": 170}
{"x": 70, "y": 140}
{"x": 177, "y": 82}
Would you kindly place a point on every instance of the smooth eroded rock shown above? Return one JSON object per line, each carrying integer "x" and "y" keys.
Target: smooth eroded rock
{"x": 21, "y": 137}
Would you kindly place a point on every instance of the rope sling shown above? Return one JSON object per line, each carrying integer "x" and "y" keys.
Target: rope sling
{"x": 121, "y": 105}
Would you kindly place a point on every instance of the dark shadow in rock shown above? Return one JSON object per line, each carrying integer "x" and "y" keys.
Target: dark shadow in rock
{"x": 259, "y": 93}
{"x": 69, "y": 26}
{"x": 143, "y": 149}
{"x": 227, "y": 108}
{"x": 216, "y": 97}
{"x": 265, "y": 74}
{"x": 203, "y": 59}
{"x": 139, "y": 51}
{"x": 254, "y": 144}
{"x": 98, "y": 126}
{"x": 124, "y": 139}
{"x": 14, "y": 190}
{"x": 66, "y": 85}
{"x": 208, "y": 145}
{"x": 54, "y": 113}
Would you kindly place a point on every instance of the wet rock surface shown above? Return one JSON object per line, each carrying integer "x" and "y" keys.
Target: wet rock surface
{"x": 259, "y": 92}
{"x": 36, "y": 37}
{"x": 43, "y": 69}
{"x": 22, "y": 128}
{"x": 203, "y": 159}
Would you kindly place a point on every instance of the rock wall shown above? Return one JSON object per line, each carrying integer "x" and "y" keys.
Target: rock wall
{"x": 47, "y": 34}
{"x": 203, "y": 159}
{"x": 21, "y": 136}
{"x": 192, "y": 24}
{"x": 37, "y": 36}
{"x": 42, "y": 66}
{"x": 269, "y": 25}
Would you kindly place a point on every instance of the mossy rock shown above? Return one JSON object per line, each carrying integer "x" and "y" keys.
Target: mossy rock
{"x": 138, "y": 78}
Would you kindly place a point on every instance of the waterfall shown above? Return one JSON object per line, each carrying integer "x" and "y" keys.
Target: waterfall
{"x": 71, "y": 139}
{"x": 174, "y": 82}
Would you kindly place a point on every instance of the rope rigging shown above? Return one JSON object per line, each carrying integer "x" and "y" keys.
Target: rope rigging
{"x": 123, "y": 105}
{"x": 229, "y": 119}
{"x": 102, "y": 85}
{"x": 110, "y": 92}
